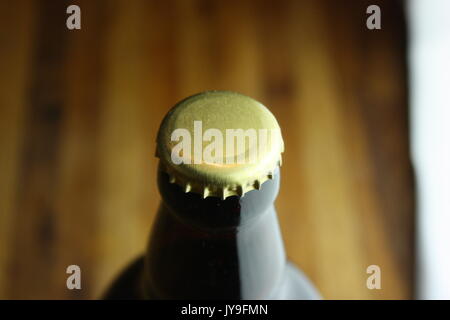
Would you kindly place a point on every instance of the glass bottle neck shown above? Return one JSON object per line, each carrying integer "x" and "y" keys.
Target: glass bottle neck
{"x": 213, "y": 248}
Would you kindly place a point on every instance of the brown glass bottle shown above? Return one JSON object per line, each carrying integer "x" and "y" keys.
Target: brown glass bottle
{"x": 214, "y": 248}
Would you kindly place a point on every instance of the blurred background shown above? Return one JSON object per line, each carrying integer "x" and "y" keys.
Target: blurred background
{"x": 79, "y": 112}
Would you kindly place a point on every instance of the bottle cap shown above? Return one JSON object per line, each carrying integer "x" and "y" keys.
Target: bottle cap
{"x": 219, "y": 143}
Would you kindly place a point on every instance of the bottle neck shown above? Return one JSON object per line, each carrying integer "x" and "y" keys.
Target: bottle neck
{"x": 214, "y": 248}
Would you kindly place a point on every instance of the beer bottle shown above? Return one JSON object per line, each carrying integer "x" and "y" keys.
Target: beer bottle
{"x": 216, "y": 233}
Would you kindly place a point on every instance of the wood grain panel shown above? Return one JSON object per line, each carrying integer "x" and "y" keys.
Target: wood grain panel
{"x": 79, "y": 112}
{"x": 15, "y": 60}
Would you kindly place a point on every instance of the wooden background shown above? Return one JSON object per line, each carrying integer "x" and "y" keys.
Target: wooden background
{"x": 79, "y": 111}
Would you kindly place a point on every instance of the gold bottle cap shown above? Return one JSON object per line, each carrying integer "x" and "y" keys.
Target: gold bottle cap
{"x": 219, "y": 143}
